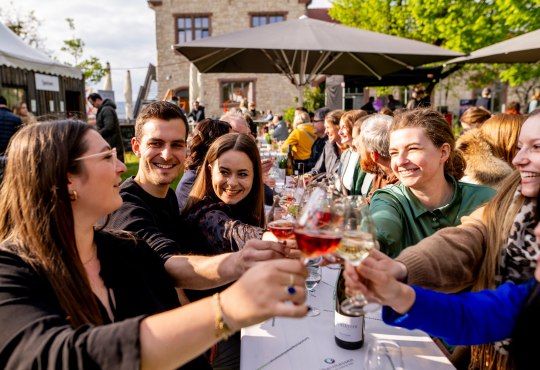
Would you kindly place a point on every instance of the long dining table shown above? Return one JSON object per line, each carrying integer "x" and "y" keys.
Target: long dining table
{"x": 308, "y": 343}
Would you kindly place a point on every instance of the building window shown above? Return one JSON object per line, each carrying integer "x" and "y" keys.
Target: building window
{"x": 262, "y": 19}
{"x": 233, "y": 92}
{"x": 192, "y": 27}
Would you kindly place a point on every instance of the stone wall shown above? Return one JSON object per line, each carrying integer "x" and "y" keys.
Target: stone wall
{"x": 271, "y": 91}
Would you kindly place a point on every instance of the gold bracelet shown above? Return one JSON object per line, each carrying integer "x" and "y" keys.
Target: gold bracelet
{"x": 223, "y": 331}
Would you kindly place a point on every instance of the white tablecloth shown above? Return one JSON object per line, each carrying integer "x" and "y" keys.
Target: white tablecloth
{"x": 308, "y": 343}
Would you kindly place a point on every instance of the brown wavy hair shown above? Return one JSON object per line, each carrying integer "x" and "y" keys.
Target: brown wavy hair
{"x": 253, "y": 210}
{"x": 205, "y": 133}
{"x": 437, "y": 130}
{"x": 475, "y": 116}
{"x": 37, "y": 219}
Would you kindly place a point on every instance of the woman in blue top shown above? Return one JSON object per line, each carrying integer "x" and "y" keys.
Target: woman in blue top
{"x": 463, "y": 318}
{"x": 511, "y": 310}
{"x": 429, "y": 196}
{"x": 469, "y": 318}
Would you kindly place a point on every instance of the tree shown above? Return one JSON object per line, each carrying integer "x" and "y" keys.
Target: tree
{"x": 460, "y": 25}
{"x": 92, "y": 68}
{"x": 24, "y": 26}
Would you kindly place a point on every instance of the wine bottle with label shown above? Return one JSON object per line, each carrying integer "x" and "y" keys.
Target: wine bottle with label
{"x": 348, "y": 330}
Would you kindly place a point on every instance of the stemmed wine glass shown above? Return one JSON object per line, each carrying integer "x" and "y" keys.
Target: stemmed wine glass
{"x": 383, "y": 355}
{"x": 319, "y": 224}
{"x": 358, "y": 239}
{"x": 313, "y": 279}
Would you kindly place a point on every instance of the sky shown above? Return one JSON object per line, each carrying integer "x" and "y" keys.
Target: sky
{"x": 121, "y": 32}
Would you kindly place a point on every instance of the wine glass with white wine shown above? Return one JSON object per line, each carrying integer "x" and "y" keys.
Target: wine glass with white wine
{"x": 358, "y": 239}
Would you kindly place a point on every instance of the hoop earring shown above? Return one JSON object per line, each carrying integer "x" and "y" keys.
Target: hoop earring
{"x": 73, "y": 196}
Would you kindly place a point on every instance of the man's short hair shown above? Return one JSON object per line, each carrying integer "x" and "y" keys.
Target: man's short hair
{"x": 321, "y": 113}
{"x": 161, "y": 110}
{"x": 374, "y": 132}
{"x": 94, "y": 97}
{"x": 3, "y": 100}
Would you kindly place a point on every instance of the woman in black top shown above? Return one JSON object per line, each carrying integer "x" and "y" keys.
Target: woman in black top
{"x": 74, "y": 297}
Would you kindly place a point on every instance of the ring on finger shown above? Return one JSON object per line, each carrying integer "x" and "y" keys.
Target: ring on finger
{"x": 291, "y": 290}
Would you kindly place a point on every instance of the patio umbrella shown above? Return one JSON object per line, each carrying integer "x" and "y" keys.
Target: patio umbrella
{"x": 193, "y": 84}
{"x": 519, "y": 49}
{"x": 128, "y": 95}
{"x": 107, "y": 84}
{"x": 303, "y": 48}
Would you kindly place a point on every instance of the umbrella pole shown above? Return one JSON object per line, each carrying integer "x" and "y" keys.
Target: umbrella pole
{"x": 300, "y": 95}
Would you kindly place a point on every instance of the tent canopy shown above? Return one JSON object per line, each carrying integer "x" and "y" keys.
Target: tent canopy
{"x": 15, "y": 53}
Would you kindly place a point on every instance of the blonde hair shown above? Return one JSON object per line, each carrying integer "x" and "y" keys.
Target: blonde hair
{"x": 498, "y": 216}
{"x": 300, "y": 118}
{"x": 501, "y": 132}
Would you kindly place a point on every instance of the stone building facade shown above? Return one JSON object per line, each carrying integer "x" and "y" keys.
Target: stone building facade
{"x": 179, "y": 20}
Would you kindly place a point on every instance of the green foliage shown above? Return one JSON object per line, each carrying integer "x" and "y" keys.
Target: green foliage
{"x": 75, "y": 45}
{"x": 313, "y": 99}
{"x": 92, "y": 68}
{"x": 460, "y": 25}
{"x": 288, "y": 115}
{"x": 25, "y": 26}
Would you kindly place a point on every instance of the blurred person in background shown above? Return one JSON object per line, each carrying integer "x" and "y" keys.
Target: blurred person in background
{"x": 21, "y": 110}
{"x": 473, "y": 117}
{"x": 490, "y": 149}
{"x": 328, "y": 162}
{"x": 318, "y": 145}
{"x": 513, "y": 108}
{"x": 205, "y": 133}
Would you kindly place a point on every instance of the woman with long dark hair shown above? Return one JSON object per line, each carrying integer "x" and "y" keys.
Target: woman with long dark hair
{"x": 226, "y": 205}
{"x": 72, "y": 296}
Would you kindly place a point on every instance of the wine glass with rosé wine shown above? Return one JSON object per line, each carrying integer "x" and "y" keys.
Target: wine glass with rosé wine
{"x": 317, "y": 231}
{"x": 318, "y": 226}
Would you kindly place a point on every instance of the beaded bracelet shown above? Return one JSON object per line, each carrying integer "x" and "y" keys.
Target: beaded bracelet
{"x": 222, "y": 329}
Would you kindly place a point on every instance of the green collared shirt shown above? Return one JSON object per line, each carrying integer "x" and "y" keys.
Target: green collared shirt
{"x": 402, "y": 220}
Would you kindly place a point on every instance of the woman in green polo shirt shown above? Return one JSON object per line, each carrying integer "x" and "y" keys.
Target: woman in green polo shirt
{"x": 429, "y": 196}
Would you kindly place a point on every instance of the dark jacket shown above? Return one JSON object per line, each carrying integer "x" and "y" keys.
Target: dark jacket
{"x": 328, "y": 161}
{"x": 9, "y": 124}
{"x": 316, "y": 151}
{"x": 108, "y": 126}
{"x": 197, "y": 115}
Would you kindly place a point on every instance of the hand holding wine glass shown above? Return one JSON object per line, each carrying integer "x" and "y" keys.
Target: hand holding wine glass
{"x": 358, "y": 240}
{"x": 317, "y": 231}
